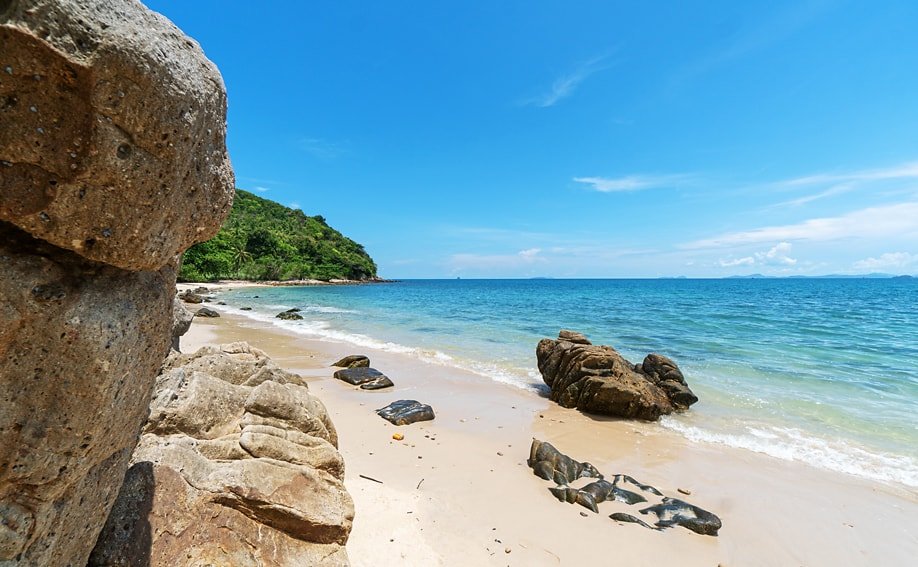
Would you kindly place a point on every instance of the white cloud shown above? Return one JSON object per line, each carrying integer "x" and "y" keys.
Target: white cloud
{"x": 566, "y": 84}
{"x": 730, "y": 263}
{"x": 887, "y": 260}
{"x": 262, "y": 189}
{"x": 830, "y": 192}
{"x": 629, "y": 182}
{"x": 530, "y": 253}
{"x": 777, "y": 255}
{"x": 874, "y": 222}
{"x": 294, "y": 205}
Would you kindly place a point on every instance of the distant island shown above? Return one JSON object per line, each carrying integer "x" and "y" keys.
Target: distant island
{"x": 263, "y": 240}
{"x": 871, "y": 276}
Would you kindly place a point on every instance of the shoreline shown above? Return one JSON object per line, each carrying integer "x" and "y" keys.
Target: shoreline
{"x": 454, "y": 479}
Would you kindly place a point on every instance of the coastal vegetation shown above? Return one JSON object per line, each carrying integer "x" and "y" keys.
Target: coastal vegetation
{"x": 264, "y": 240}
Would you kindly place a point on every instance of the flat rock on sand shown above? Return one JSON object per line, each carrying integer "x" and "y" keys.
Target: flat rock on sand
{"x": 405, "y": 412}
{"x": 366, "y": 378}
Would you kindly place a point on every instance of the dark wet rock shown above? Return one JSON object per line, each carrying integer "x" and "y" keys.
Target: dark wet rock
{"x": 366, "y": 378}
{"x": 245, "y": 308}
{"x": 189, "y": 296}
{"x": 353, "y": 361}
{"x": 663, "y": 372}
{"x": 549, "y": 463}
{"x": 206, "y": 312}
{"x": 591, "y": 495}
{"x": 289, "y": 316}
{"x": 598, "y": 379}
{"x": 201, "y": 290}
{"x": 221, "y": 303}
{"x": 404, "y": 412}
{"x": 675, "y": 512}
{"x": 293, "y": 310}
{"x": 181, "y": 321}
{"x": 552, "y": 465}
{"x": 623, "y": 517}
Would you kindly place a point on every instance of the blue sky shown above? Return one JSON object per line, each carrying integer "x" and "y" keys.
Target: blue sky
{"x": 581, "y": 139}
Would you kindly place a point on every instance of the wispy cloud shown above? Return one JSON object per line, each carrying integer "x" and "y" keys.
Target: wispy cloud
{"x": 903, "y": 171}
{"x": 630, "y": 182}
{"x": 321, "y": 148}
{"x": 830, "y": 192}
{"x": 887, "y": 260}
{"x": 486, "y": 262}
{"x": 874, "y": 222}
{"x": 294, "y": 205}
{"x": 565, "y": 85}
{"x": 261, "y": 189}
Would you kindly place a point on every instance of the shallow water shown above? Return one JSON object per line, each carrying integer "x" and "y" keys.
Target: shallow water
{"x": 813, "y": 370}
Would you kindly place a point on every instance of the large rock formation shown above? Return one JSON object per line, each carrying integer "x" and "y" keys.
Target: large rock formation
{"x": 112, "y": 162}
{"x": 237, "y": 465}
{"x": 598, "y": 379}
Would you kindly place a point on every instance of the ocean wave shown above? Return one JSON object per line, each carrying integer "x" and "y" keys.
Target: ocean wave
{"x": 792, "y": 444}
{"x": 525, "y": 379}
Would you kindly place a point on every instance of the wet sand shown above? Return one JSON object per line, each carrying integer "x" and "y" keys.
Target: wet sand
{"x": 457, "y": 490}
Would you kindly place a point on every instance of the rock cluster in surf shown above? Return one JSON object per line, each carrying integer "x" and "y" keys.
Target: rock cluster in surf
{"x": 112, "y": 162}
{"x": 552, "y": 465}
{"x": 237, "y": 465}
{"x": 598, "y": 379}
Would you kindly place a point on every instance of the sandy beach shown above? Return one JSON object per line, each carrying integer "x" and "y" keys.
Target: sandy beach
{"x": 457, "y": 490}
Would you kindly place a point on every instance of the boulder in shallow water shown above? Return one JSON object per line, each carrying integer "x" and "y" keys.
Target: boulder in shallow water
{"x": 598, "y": 379}
{"x": 353, "y": 361}
{"x": 366, "y": 378}
{"x": 206, "y": 312}
{"x": 289, "y": 316}
{"x": 405, "y": 412}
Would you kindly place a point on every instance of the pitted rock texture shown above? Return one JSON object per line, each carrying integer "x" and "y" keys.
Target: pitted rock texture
{"x": 80, "y": 345}
{"x": 113, "y": 137}
{"x": 237, "y": 465}
{"x": 112, "y": 162}
{"x": 598, "y": 379}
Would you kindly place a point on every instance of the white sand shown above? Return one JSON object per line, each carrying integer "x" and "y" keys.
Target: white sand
{"x": 448, "y": 497}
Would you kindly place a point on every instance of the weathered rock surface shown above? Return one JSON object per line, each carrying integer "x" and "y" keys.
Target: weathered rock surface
{"x": 290, "y": 315}
{"x": 112, "y": 162}
{"x": 237, "y": 465}
{"x": 80, "y": 344}
{"x": 113, "y": 138}
{"x": 598, "y": 379}
{"x": 189, "y": 296}
{"x": 405, "y": 412}
{"x": 366, "y": 378}
{"x": 550, "y": 464}
{"x": 206, "y": 312}
{"x": 181, "y": 322}
{"x": 353, "y": 361}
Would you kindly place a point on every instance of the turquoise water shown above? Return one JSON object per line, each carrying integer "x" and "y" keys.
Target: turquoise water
{"x": 813, "y": 370}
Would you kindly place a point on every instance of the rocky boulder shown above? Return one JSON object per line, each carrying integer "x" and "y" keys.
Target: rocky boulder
{"x": 406, "y": 412}
{"x": 206, "y": 312}
{"x": 113, "y": 138}
{"x": 597, "y": 379}
{"x": 366, "y": 378}
{"x": 112, "y": 162}
{"x": 353, "y": 361}
{"x": 238, "y": 465}
{"x": 181, "y": 322}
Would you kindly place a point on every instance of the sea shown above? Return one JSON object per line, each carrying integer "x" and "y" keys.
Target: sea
{"x": 820, "y": 371}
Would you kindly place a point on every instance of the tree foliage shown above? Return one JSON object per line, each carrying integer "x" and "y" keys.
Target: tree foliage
{"x": 263, "y": 240}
